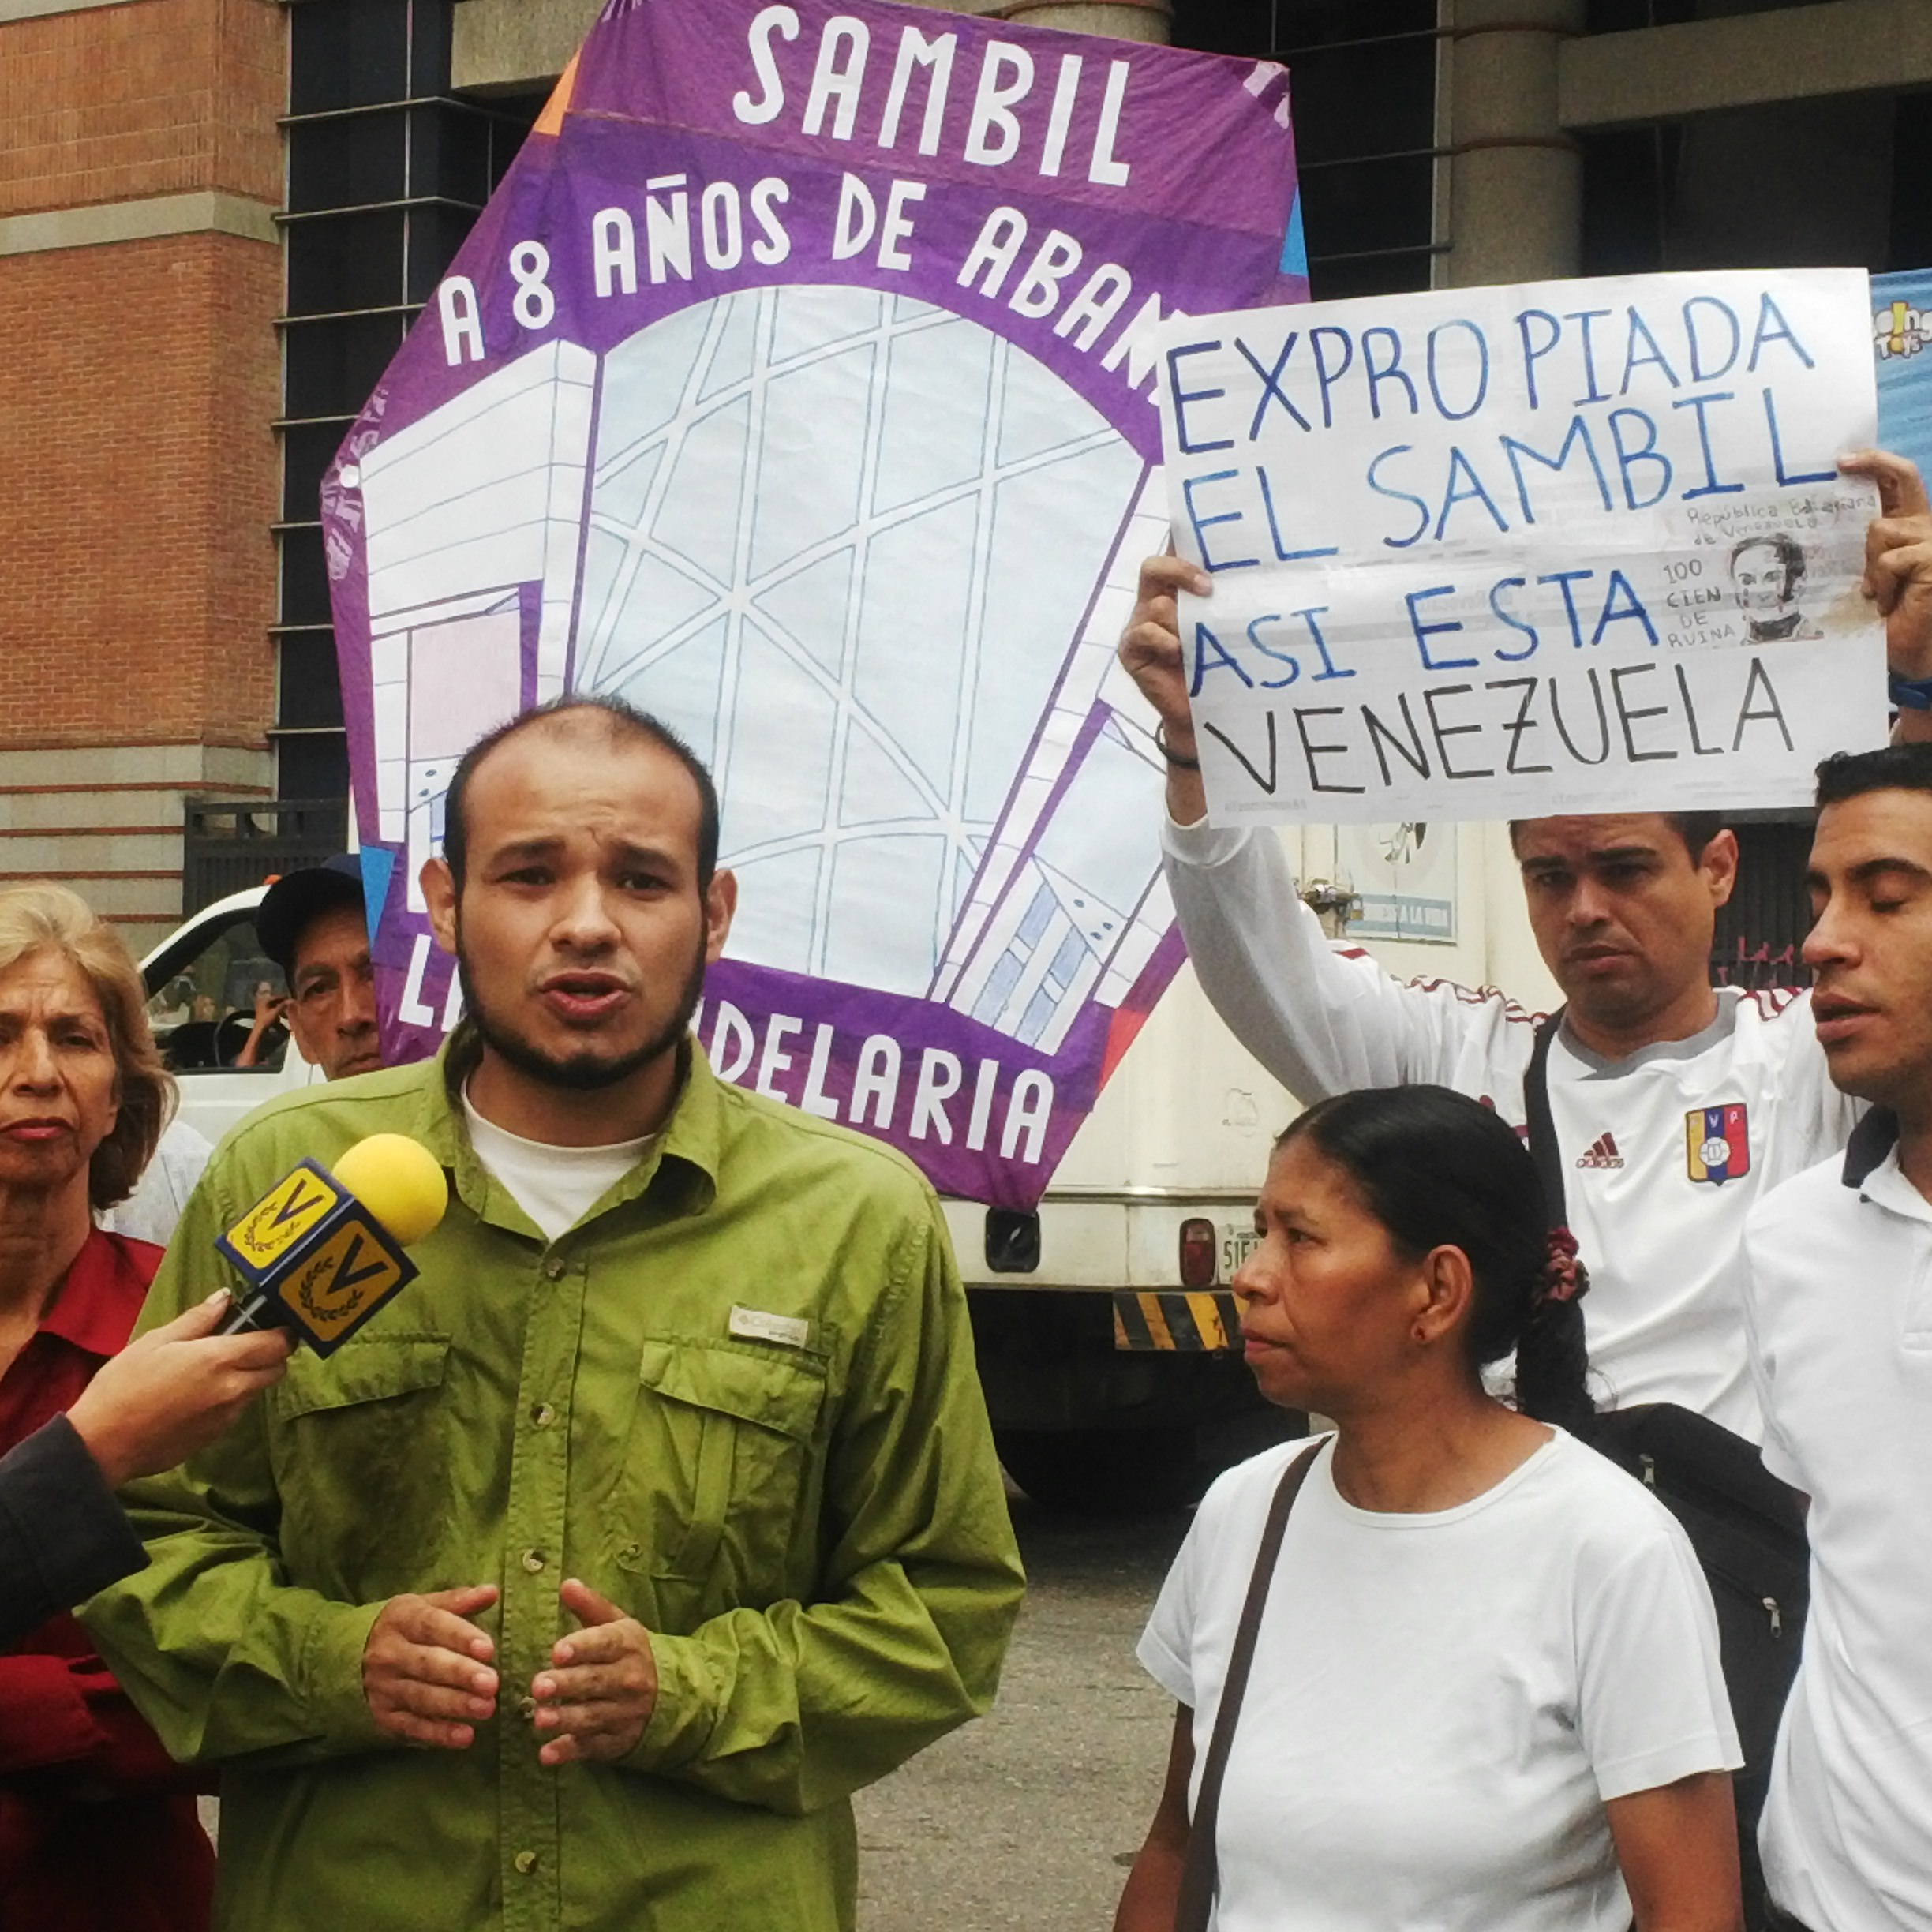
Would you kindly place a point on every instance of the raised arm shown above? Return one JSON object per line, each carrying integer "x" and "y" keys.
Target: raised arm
{"x": 1150, "y": 653}
{"x": 1323, "y": 1019}
{"x": 62, "y": 1535}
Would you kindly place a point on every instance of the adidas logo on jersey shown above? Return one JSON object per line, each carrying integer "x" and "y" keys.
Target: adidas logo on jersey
{"x": 1602, "y": 1153}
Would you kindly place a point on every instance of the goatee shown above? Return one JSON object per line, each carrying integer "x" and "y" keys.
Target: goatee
{"x": 588, "y": 1072}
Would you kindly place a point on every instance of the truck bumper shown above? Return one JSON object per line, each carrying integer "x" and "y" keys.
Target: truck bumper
{"x": 1188, "y": 1324}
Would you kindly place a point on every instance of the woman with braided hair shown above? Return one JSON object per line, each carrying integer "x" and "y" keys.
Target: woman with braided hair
{"x": 1475, "y": 1665}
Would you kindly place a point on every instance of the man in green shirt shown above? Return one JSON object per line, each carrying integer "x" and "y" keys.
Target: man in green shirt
{"x": 586, "y": 1583}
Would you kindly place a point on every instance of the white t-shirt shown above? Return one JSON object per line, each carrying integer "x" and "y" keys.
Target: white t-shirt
{"x": 1440, "y": 1703}
{"x": 1663, "y": 1153}
{"x": 1839, "y": 1299}
{"x": 555, "y": 1186}
{"x": 151, "y": 1212}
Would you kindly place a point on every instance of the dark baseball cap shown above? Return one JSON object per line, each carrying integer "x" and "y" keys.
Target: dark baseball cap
{"x": 296, "y": 898}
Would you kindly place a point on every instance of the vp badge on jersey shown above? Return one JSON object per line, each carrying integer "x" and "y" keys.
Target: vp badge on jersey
{"x": 1717, "y": 1143}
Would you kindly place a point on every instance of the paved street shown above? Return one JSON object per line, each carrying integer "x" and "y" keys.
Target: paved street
{"x": 1025, "y": 1819}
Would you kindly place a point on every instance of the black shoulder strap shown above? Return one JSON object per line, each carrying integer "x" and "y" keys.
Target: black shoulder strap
{"x": 1543, "y": 1148}
{"x": 1200, "y": 1877}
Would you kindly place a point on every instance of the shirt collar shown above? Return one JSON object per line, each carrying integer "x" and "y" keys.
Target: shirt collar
{"x": 1886, "y": 1187}
{"x": 1720, "y": 1029}
{"x": 96, "y": 1304}
{"x": 682, "y": 1161}
{"x": 1873, "y": 1139}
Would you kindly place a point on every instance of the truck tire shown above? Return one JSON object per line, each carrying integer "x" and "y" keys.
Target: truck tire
{"x": 1105, "y": 1472}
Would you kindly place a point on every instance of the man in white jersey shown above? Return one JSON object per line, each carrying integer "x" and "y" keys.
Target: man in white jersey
{"x": 1839, "y": 1301}
{"x": 1676, "y": 1104}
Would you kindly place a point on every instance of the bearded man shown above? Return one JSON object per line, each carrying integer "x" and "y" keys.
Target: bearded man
{"x": 583, "y": 1586}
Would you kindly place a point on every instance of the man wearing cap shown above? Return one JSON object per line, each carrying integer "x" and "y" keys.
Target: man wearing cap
{"x": 312, "y": 924}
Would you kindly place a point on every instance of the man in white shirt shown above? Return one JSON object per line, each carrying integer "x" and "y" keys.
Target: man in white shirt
{"x": 1675, "y": 1104}
{"x": 1838, "y": 1302}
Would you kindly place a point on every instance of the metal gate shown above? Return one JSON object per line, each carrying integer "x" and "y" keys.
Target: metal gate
{"x": 230, "y": 844}
{"x": 1759, "y": 932}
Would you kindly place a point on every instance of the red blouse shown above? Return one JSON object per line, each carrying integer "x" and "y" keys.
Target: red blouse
{"x": 98, "y": 1829}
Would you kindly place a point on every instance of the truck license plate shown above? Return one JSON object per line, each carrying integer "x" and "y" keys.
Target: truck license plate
{"x": 1238, "y": 1241}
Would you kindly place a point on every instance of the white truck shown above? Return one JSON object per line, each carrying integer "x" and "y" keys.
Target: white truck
{"x": 1103, "y": 1324}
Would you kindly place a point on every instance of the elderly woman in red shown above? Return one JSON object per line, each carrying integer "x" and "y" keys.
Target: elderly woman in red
{"x": 98, "y": 1829}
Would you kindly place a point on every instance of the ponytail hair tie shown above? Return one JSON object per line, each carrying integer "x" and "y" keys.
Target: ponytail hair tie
{"x": 1565, "y": 1277}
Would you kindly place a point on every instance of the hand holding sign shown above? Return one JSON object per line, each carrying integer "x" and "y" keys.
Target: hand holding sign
{"x": 1150, "y": 646}
{"x": 1898, "y": 559}
{"x": 1150, "y": 653}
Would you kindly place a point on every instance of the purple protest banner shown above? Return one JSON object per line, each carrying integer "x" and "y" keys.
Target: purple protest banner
{"x": 796, "y": 386}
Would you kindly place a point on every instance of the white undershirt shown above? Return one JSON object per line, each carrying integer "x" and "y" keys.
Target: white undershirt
{"x": 1442, "y": 1702}
{"x": 555, "y": 1186}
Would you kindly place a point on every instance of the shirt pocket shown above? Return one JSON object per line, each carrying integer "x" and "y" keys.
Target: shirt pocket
{"x": 366, "y": 1423}
{"x": 719, "y": 1465}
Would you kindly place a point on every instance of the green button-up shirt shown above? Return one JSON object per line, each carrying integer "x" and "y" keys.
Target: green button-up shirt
{"x": 812, "y": 1527}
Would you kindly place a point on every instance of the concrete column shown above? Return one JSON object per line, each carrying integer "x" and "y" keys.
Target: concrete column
{"x": 498, "y": 45}
{"x": 1119, "y": 19}
{"x": 1515, "y": 178}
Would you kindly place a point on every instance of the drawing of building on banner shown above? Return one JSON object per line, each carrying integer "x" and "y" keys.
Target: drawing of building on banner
{"x": 1071, "y": 902}
{"x": 870, "y": 559}
{"x": 473, "y": 517}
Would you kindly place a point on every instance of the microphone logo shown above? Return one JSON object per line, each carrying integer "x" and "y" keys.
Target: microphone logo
{"x": 281, "y": 1217}
{"x": 310, "y": 1248}
{"x": 353, "y": 1273}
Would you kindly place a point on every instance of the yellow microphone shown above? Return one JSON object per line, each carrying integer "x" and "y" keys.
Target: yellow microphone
{"x": 322, "y": 1250}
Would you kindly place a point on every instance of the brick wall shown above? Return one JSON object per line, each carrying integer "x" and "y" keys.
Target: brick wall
{"x": 115, "y": 103}
{"x": 138, "y": 380}
{"x": 140, "y": 584}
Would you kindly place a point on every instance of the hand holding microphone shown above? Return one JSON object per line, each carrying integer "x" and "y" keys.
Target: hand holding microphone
{"x": 322, "y": 1250}
{"x": 172, "y": 1391}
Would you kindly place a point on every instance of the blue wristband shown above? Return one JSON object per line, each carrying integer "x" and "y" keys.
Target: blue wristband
{"x": 1911, "y": 694}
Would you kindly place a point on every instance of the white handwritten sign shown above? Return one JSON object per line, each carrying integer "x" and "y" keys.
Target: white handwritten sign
{"x": 1573, "y": 546}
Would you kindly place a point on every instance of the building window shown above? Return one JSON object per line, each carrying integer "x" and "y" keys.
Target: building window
{"x": 1364, "y": 89}
{"x": 1833, "y": 181}
{"x": 1622, "y": 16}
{"x": 387, "y": 170}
